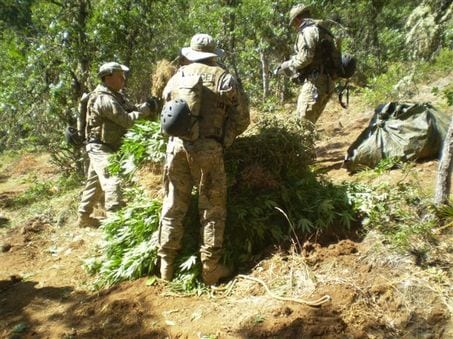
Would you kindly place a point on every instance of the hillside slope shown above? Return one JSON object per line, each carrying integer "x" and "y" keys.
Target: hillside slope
{"x": 376, "y": 291}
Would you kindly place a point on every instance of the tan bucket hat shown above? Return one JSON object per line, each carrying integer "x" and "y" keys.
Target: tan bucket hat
{"x": 297, "y": 10}
{"x": 202, "y": 46}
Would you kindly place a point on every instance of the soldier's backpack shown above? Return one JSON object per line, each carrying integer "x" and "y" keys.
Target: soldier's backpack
{"x": 180, "y": 115}
{"x": 75, "y": 136}
{"x": 72, "y": 137}
{"x": 82, "y": 117}
{"x": 338, "y": 65}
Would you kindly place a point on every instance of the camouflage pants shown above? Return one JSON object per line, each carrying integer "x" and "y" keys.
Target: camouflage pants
{"x": 314, "y": 95}
{"x": 199, "y": 164}
{"x": 99, "y": 181}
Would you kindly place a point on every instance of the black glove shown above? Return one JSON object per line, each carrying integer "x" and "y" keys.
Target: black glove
{"x": 283, "y": 68}
{"x": 153, "y": 103}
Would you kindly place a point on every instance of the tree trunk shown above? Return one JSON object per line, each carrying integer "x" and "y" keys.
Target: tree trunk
{"x": 444, "y": 172}
{"x": 232, "y": 44}
{"x": 80, "y": 76}
{"x": 375, "y": 11}
{"x": 265, "y": 74}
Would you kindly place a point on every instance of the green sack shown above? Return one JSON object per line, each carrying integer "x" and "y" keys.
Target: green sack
{"x": 406, "y": 131}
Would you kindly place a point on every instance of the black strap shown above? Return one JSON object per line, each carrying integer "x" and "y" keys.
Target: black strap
{"x": 340, "y": 95}
{"x": 320, "y": 27}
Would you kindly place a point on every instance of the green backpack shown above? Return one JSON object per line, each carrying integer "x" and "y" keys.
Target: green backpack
{"x": 189, "y": 90}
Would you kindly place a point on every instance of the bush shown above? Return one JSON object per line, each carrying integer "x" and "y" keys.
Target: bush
{"x": 400, "y": 79}
{"x": 402, "y": 213}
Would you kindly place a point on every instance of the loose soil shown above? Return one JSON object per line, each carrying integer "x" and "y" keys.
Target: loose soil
{"x": 375, "y": 292}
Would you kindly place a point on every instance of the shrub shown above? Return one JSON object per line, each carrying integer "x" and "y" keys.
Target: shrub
{"x": 402, "y": 213}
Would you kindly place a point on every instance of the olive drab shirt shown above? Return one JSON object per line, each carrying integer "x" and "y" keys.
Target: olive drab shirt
{"x": 224, "y": 111}
{"x": 109, "y": 116}
{"x": 307, "y": 46}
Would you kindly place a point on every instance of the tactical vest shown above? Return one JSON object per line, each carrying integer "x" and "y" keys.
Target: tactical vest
{"x": 93, "y": 126}
{"x": 212, "y": 112}
{"x": 101, "y": 130}
{"x": 327, "y": 57}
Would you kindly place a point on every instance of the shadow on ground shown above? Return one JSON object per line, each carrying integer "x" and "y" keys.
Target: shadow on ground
{"x": 29, "y": 311}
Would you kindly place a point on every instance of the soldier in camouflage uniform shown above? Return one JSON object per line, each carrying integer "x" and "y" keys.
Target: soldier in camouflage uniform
{"x": 308, "y": 65}
{"x": 109, "y": 115}
{"x": 224, "y": 114}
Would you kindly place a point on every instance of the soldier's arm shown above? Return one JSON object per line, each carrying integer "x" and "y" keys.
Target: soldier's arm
{"x": 306, "y": 46}
{"x": 238, "y": 112}
{"x": 110, "y": 109}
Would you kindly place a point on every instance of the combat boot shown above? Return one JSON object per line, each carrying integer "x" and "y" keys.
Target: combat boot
{"x": 212, "y": 273}
{"x": 86, "y": 221}
{"x": 167, "y": 268}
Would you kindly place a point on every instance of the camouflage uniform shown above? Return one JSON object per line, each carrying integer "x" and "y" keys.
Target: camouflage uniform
{"x": 307, "y": 65}
{"x": 318, "y": 86}
{"x": 109, "y": 116}
{"x": 224, "y": 115}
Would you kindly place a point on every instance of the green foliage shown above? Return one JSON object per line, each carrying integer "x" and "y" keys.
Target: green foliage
{"x": 51, "y": 50}
{"x": 42, "y": 190}
{"x": 383, "y": 88}
{"x": 400, "y": 212}
{"x": 130, "y": 248}
{"x": 187, "y": 276}
{"x": 38, "y": 191}
{"x": 282, "y": 146}
{"x": 143, "y": 142}
{"x": 269, "y": 168}
{"x": 440, "y": 64}
{"x": 387, "y": 164}
{"x": 312, "y": 204}
{"x": 445, "y": 213}
{"x": 448, "y": 93}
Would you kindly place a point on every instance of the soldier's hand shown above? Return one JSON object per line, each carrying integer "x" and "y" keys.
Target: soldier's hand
{"x": 145, "y": 110}
{"x": 277, "y": 70}
{"x": 153, "y": 103}
{"x": 284, "y": 68}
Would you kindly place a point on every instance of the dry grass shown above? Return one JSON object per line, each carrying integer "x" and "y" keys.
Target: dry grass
{"x": 149, "y": 177}
{"x": 164, "y": 71}
{"x": 285, "y": 274}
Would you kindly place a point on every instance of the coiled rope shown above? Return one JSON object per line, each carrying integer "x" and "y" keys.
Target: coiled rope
{"x": 313, "y": 303}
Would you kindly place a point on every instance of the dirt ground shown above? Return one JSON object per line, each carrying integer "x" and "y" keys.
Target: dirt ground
{"x": 373, "y": 292}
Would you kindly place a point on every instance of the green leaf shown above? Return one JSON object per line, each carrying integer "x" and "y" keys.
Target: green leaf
{"x": 151, "y": 281}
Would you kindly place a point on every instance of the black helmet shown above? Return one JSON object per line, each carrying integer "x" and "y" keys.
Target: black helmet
{"x": 72, "y": 137}
{"x": 176, "y": 118}
{"x": 348, "y": 63}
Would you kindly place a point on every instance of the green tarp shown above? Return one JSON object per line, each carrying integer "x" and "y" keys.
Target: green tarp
{"x": 406, "y": 131}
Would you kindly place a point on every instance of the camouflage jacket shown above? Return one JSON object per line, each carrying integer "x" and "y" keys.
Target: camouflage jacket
{"x": 109, "y": 116}
{"x": 307, "y": 46}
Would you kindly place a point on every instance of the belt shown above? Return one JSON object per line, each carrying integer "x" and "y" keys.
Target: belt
{"x": 94, "y": 140}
